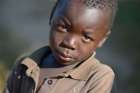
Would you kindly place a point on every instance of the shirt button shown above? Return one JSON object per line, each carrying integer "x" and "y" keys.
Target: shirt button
{"x": 49, "y": 82}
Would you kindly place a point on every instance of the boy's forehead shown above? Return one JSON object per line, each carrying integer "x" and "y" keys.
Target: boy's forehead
{"x": 79, "y": 13}
{"x": 74, "y": 7}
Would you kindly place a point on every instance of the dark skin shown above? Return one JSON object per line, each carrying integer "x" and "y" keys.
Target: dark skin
{"x": 76, "y": 31}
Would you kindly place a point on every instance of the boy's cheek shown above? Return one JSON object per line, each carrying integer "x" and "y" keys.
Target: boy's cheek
{"x": 55, "y": 39}
{"x": 85, "y": 52}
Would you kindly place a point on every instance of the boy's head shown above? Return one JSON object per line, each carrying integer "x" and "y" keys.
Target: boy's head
{"x": 78, "y": 27}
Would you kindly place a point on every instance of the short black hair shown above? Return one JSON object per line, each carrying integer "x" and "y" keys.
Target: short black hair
{"x": 99, "y": 4}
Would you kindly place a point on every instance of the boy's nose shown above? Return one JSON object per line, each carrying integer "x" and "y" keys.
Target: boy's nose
{"x": 69, "y": 42}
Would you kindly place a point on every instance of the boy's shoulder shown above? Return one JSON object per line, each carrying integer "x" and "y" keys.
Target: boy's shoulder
{"x": 36, "y": 55}
{"x": 102, "y": 69}
{"x": 92, "y": 68}
{"x": 31, "y": 58}
{"x": 101, "y": 73}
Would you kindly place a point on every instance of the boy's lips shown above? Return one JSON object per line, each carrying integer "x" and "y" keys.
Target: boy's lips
{"x": 63, "y": 56}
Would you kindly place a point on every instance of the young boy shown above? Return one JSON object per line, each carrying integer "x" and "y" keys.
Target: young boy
{"x": 68, "y": 64}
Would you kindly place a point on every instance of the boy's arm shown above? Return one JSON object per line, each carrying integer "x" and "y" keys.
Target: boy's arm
{"x": 104, "y": 81}
{"x": 13, "y": 78}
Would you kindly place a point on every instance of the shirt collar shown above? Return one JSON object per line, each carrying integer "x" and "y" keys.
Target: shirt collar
{"x": 81, "y": 72}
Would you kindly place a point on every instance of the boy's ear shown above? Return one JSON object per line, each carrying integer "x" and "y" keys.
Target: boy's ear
{"x": 104, "y": 39}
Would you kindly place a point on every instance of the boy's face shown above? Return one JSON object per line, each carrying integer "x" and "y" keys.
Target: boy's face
{"x": 76, "y": 32}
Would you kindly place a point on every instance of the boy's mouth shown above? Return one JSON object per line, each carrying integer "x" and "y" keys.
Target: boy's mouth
{"x": 64, "y": 56}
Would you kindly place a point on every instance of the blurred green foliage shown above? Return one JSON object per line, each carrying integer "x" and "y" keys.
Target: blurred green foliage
{"x": 3, "y": 70}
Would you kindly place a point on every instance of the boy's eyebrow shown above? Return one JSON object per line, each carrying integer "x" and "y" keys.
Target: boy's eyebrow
{"x": 88, "y": 33}
{"x": 65, "y": 19}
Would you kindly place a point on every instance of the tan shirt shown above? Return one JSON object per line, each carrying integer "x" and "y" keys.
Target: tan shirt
{"x": 89, "y": 77}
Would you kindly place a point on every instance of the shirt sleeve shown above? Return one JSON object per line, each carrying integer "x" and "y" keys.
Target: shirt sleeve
{"x": 13, "y": 78}
{"x": 102, "y": 81}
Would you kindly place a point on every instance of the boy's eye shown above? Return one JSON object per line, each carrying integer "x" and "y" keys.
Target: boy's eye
{"x": 87, "y": 38}
{"x": 61, "y": 28}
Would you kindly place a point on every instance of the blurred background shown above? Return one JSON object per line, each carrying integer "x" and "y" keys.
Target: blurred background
{"x": 24, "y": 28}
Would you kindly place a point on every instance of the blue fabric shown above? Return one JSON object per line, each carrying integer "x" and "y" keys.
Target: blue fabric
{"x": 50, "y": 62}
